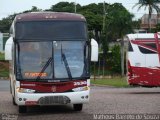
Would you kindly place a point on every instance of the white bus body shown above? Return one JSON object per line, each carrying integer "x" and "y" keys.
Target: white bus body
{"x": 143, "y": 59}
{"x": 48, "y": 72}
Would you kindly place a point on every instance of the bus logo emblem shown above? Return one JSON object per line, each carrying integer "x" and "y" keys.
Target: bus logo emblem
{"x": 53, "y": 88}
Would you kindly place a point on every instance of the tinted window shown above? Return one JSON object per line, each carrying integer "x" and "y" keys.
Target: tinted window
{"x": 130, "y": 49}
{"x": 50, "y": 30}
{"x": 146, "y": 51}
{"x": 152, "y": 45}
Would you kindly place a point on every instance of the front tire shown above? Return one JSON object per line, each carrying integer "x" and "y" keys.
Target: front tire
{"x": 13, "y": 101}
{"x": 10, "y": 86}
{"x": 22, "y": 109}
{"x": 78, "y": 107}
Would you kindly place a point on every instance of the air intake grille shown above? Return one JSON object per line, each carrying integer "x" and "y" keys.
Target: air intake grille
{"x": 52, "y": 100}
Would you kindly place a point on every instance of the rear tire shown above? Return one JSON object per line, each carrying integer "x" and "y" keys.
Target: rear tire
{"x": 22, "y": 109}
{"x": 78, "y": 107}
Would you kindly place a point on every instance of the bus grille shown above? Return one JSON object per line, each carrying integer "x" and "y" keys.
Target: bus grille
{"x": 52, "y": 100}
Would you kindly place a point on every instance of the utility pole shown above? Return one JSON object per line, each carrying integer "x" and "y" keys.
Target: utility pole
{"x": 75, "y": 7}
{"x": 104, "y": 16}
{"x": 103, "y": 34}
{"x": 122, "y": 57}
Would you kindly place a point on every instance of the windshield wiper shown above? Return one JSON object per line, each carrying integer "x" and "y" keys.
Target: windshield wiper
{"x": 66, "y": 64}
{"x": 44, "y": 68}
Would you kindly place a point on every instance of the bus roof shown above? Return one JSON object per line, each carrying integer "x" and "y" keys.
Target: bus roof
{"x": 40, "y": 16}
{"x": 141, "y": 36}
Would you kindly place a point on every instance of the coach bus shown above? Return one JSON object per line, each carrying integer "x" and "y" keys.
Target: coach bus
{"x": 49, "y": 55}
{"x": 144, "y": 59}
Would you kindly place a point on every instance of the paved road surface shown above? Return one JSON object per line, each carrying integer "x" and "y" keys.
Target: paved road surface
{"x": 4, "y": 85}
{"x": 103, "y": 100}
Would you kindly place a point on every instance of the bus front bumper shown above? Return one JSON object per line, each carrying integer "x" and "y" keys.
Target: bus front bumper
{"x": 52, "y": 98}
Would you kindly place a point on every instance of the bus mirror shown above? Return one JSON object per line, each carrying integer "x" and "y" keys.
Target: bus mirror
{"x": 94, "y": 50}
{"x": 8, "y": 49}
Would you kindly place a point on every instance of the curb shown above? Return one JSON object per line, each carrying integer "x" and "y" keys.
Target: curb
{"x": 98, "y": 85}
{"x": 102, "y": 85}
{"x": 4, "y": 78}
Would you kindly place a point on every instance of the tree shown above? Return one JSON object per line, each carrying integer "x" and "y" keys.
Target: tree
{"x": 64, "y": 7}
{"x": 115, "y": 59}
{"x": 33, "y": 9}
{"x": 118, "y": 24}
{"x": 93, "y": 15}
{"x": 158, "y": 27}
{"x": 151, "y": 5}
{"x": 5, "y": 23}
{"x": 119, "y": 21}
{"x": 136, "y": 24}
{"x": 94, "y": 22}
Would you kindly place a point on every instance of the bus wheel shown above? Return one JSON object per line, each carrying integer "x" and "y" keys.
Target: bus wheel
{"x": 13, "y": 101}
{"x": 22, "y": 109}
{"x": 78, "y": 107}
{"x": 10, "y": 87}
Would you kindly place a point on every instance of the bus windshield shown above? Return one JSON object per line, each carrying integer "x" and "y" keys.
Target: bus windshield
{"x": 51, "y": 60}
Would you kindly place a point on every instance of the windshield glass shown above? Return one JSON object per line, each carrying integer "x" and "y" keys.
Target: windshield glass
{"x": 73, "y": 52}
{"x": 32, "y": 57}
{"x": 51, "y": 60}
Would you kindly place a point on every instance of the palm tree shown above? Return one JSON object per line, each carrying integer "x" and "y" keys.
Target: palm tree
{"x": 151, "y": 5}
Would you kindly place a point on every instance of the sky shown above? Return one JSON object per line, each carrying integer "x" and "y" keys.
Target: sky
{"x": 8, "y": 7}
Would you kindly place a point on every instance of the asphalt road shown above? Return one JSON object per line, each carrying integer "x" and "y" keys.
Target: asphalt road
{"x": 105, "y": 101}
{"x": 4, "y": 85}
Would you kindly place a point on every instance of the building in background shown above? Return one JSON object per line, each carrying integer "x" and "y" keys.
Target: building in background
{"x": 3, "y": 39}
{"x": 155, "y": 19}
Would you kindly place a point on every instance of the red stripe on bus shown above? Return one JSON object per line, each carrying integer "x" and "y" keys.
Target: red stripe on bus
{"x": 53, "y": 87}
{"x": 145, "y": 76}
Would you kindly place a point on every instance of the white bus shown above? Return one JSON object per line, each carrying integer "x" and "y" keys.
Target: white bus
{"x": 49, "y": 55}
{"x": 144, "y": 59}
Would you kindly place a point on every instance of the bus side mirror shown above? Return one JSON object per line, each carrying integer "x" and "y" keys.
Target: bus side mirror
{"x": 8, "y": 49}
{"x": 94, "y": 50}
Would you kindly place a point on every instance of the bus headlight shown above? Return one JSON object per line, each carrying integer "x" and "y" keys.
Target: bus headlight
{"x": 24, "y": 90}
{"x": 80, "y": 89}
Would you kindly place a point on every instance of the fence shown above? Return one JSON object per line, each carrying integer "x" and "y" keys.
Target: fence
{"x": 3, "y": 39}
{"x": 1, "y": 42}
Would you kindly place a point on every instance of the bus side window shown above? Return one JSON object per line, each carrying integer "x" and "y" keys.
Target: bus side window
{"x": 147, "y": 51}
{"x": 130, "y": 49}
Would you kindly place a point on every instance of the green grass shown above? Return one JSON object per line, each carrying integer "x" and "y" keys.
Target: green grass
{"x": 4, "y": 70}
{"x": 4, "y": 73}
{"x": 116, "y": 82}
{"x": 1, "y": 56}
